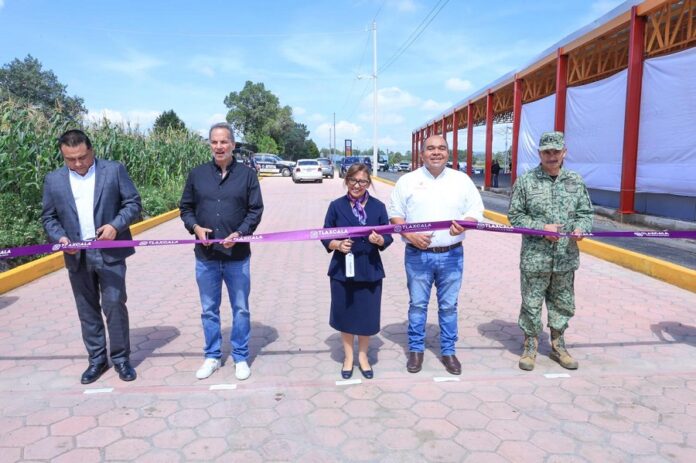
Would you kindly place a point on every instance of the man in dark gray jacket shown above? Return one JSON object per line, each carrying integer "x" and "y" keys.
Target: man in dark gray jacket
{"x": 94, "y": 199}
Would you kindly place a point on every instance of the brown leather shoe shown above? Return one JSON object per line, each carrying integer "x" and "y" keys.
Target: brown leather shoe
{"x": 415, "y": 362}
{"x": 451, "y": 364}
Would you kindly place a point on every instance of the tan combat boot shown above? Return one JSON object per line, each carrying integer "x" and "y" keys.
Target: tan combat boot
{"x": 529, "y": 354}
{"x": 559, "y": 352}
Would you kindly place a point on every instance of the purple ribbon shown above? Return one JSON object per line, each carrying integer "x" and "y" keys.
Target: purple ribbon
{"x": 337, "y": 233}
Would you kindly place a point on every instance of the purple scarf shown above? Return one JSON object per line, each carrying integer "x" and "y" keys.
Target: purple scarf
{"x": 357, "y": 206}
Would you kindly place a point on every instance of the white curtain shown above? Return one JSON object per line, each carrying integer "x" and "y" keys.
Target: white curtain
{"x": 667, "y": 141}
{"x": 536, "y": 118}
{"x": 594, "y": 131}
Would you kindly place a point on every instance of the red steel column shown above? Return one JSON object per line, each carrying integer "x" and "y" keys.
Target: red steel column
{"x": 444, "y": 126}
{"x": 516, "y": 118}
{"x": 629, "y": 164}
{"x": 561, "y": 91}
{"x": 469, "y": 138}
{"x": 489, "y": 138}
{"x": 455, "y": 141}
{"x": 414, "y": 138}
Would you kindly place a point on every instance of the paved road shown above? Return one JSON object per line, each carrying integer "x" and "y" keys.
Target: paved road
{"x": 633, "y": 398}
{"x": 682, "y": 252}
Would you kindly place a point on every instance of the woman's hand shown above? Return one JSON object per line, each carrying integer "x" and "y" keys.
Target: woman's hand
{"x": 376, "y": 239}
{"x": 343, "y": 246}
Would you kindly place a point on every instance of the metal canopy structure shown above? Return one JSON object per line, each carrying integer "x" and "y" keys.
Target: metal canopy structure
{"x": 621, "y": 39}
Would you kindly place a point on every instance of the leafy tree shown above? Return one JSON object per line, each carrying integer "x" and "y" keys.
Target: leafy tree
{"x": 295, "y": 141}
{"x": 253, "y": 110}
{"x": 267, "y": 145}
{"x": 312, "y": 150}
{"x": 168, "y": 120}
{"x": 26, "y": 82}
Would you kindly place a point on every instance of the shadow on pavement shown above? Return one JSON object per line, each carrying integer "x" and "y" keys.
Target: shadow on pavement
{"x": 147, "y": 339}
{"x": 261, "y": 336}
{"x": 678, "y": 332}
{"x": 6, "y": 301}
{"x": 398, "y": 334}
{"x": 336, "y": 348}
{"x": 509, "y": 335}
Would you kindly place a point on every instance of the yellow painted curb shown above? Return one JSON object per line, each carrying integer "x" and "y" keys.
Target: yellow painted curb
{"x": 384, "y": 180}
{"x": 23, "y": 274}
{"x": 674, "y": 274}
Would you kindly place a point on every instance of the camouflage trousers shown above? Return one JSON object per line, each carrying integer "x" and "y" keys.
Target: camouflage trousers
{"x": 556, "y": 288}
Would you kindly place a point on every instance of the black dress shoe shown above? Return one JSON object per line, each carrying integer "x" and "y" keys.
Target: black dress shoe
{"x": 125, "y": 371}
{"x": 415, "y": 362}
{"x": 452, "y": 364}
{"x": 346, "y": 374}
{"x": 93, "y": 372}
{"x": 368, "y": 374}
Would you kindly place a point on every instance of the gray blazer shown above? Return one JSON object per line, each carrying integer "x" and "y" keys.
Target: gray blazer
{"x": 116, "y": 202}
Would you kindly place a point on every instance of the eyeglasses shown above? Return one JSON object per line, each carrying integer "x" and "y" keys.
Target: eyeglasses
{"x": 354, "y": 181}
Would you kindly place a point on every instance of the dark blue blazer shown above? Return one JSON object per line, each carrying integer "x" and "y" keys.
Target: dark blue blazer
{"x": 368, "y": 264}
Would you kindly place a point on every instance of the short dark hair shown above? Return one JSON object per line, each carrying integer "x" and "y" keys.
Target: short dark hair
{"x": 73, "y": 138}
{"x": 354, "y": 169}
{"x": 222, "y": 125}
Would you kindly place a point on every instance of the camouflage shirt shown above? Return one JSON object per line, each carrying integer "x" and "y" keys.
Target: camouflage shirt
{"x": 538, "y": 200}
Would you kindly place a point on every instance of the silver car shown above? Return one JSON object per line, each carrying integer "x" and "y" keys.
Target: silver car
{"x": 327, "y": 167}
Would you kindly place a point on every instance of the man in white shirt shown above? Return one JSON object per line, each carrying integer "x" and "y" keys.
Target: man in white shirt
{"x": 94, "y": 199}
{"x": 434, "y": 193}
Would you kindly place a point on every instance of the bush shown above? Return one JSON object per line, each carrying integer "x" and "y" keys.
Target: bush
{"x": 157, "y": 162}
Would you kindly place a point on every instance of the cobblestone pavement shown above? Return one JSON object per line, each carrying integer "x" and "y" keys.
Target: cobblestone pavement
{"x": 633, "y": 398}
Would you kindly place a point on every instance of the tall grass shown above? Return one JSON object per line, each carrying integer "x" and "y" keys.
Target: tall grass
{"x": 157, "y": 162}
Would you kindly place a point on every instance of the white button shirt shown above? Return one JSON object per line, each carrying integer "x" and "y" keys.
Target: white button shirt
{"x": 83, "y": 191}
{"x": 420, "y": 197}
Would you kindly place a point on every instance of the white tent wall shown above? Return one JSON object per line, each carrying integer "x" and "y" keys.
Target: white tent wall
{"x": 594, "y": 131}
{"x": 536, "y": 118}
{"x": 667, "y": 141}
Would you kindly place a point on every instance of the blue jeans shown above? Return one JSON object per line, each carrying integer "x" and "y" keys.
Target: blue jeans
{"x": 209, "y": 276}
{"x": 423, "y": 269}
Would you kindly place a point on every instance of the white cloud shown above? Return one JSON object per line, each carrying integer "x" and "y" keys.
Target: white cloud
{"x": 298, "y": 110}
{"x": 432, "y": 105}
{"x": 136, "y": 64}
{"x": 344, "y": 130}
{"x": 217, "y": 117}
{"x": 136, "y": 117}
{"x": 458, "y": 85}
{"x": 390, "y": 98}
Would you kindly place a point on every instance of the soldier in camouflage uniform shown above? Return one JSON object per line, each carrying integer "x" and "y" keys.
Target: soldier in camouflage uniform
{"x": 550, "y": 198}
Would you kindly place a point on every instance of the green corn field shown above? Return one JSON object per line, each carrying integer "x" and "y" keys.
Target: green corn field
{"x": 157, "y": 162}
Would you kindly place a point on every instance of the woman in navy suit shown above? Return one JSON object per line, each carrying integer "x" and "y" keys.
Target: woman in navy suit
{"x": 356, "y": 300}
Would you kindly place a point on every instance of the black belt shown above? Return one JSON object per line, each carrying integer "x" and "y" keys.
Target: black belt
{"x": 437, "y": 249}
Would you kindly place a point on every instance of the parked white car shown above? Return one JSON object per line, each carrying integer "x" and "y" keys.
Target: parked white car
{"x": 307, "y": 170}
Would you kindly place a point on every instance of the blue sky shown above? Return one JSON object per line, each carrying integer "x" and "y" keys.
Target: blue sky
{"x": 131, "y": 60}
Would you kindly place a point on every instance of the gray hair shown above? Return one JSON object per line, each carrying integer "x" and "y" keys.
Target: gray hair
{"x": 422, "y": 145}
{"x": 222, "y": 125}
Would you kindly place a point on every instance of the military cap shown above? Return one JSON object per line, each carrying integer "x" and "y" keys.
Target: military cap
{"x": 551, "y": 141}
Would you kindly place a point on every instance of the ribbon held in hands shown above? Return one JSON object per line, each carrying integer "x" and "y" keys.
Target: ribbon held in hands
{"x": 336, "y": 233}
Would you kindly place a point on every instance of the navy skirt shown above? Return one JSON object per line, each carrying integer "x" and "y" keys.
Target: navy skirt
{"x": 356, "y": 306}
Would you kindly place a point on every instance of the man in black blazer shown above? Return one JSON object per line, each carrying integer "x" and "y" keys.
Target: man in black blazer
{"x": 94, "y": 199}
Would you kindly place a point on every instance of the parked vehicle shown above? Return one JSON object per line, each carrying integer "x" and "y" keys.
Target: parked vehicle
{"x": 308, "y": 170}
{"x": 349, "y": 161}
{"x": 404, "y": 166}
{"x": 273, "y": 164}
{"x": 327, "y": 167}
